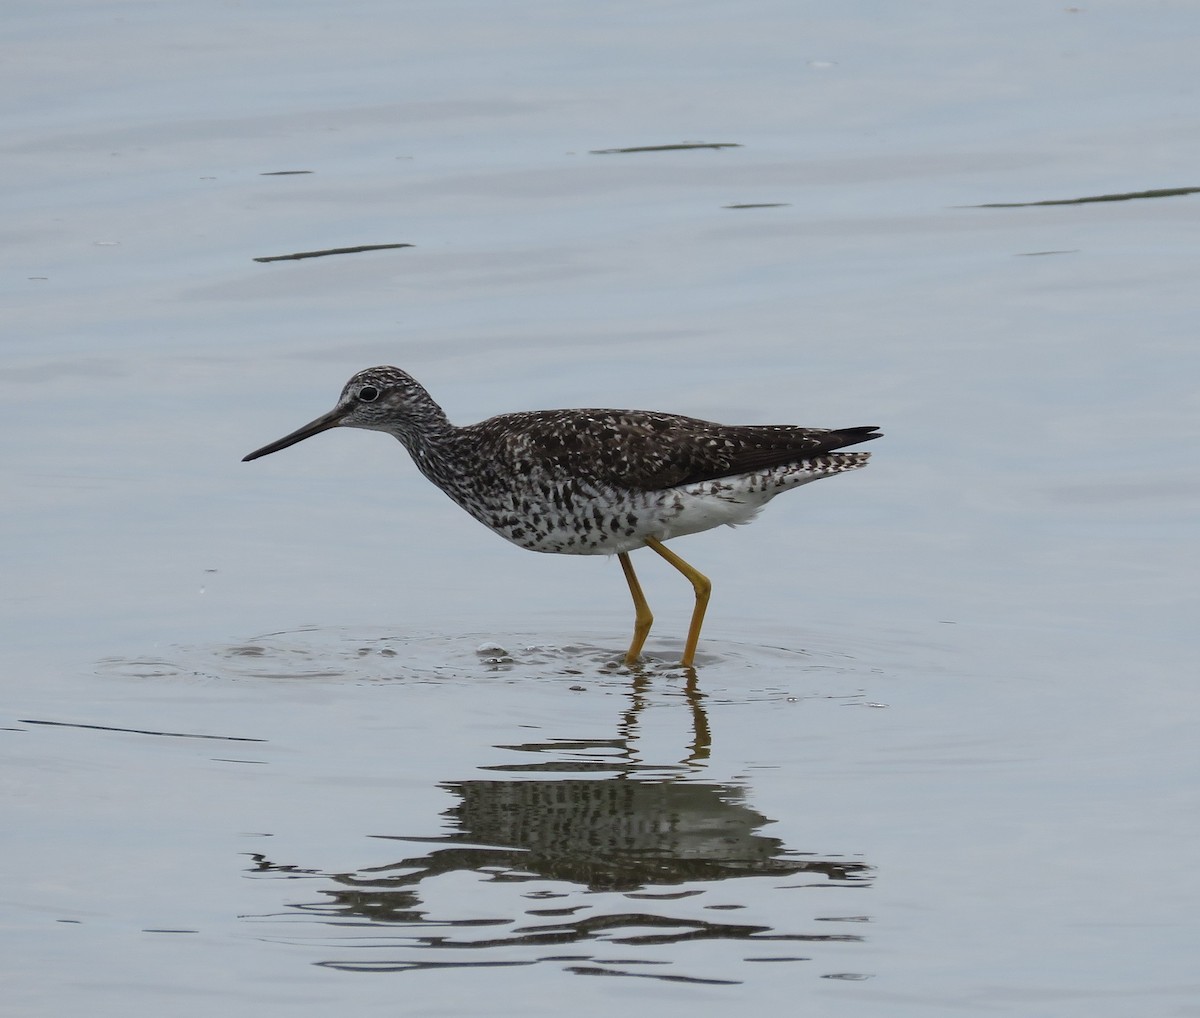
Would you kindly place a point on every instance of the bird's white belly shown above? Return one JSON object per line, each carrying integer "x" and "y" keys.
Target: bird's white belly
{"x": 700, "y": 507}
{"x": 606, "y": 523}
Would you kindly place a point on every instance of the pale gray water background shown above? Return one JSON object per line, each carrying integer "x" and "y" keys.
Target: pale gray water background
{"x": 941, "y": 754}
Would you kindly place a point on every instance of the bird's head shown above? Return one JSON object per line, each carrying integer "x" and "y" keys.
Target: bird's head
{"x": 377, "y": 399}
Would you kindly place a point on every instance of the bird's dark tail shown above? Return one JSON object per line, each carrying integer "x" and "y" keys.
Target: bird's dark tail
{"x": 839, "y": 438}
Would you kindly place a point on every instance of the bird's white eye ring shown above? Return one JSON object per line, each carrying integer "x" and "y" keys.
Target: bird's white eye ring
{"x": 368, "y": 394}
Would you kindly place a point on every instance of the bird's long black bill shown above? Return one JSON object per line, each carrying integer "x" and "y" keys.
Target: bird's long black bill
{"x": 322, "y": 423}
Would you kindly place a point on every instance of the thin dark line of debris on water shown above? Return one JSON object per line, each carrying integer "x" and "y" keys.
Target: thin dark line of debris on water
{"x": 330, "y": 251}
{"x": 665, "y": 148}
{"x": 1162, "y": 192}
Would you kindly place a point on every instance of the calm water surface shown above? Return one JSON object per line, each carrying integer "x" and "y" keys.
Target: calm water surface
{"x": 298, "y": 735}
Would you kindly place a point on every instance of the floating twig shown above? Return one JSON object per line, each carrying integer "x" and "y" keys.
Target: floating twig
{"x": 329, "y": 251}
{"x": 665, "y": 148}
{"x": 139, "y": 731}
{"x": 1163, "y": 192}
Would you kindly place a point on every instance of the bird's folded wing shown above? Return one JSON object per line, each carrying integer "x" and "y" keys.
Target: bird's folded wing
{"x": 645, "y": 451}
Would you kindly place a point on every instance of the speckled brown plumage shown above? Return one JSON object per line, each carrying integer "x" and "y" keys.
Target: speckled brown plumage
{"x": 588, "y": 482}
{"x": 647, "y": 451}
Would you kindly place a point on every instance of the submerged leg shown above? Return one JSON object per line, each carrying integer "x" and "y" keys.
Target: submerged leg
{"x": 644, "y": 618}
{"x": 702, "y": 586}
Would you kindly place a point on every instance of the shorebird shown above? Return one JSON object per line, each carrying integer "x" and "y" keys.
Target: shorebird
{"x": 594, "y": 482}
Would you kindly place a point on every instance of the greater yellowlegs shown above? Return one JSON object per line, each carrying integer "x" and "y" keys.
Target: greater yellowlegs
{"x": 594, "y": 482}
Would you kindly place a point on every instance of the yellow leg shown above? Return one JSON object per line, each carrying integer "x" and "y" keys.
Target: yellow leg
{"x": 644, "y": 618}
{"x": 702, "y": 586}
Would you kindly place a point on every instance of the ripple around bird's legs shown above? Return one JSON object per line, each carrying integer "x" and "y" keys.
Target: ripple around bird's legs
{"x": 742, "y": 670}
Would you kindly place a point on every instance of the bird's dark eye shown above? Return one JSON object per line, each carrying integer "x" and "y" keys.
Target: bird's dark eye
{"x": 368, "y": 394}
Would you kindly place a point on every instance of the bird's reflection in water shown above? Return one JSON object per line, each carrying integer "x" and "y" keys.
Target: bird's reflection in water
{"x": 602, "y": 864}
{"x": 639, "y": 697}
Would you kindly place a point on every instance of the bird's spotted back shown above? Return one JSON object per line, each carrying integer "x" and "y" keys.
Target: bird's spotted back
{"x": 646, "y": 451}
